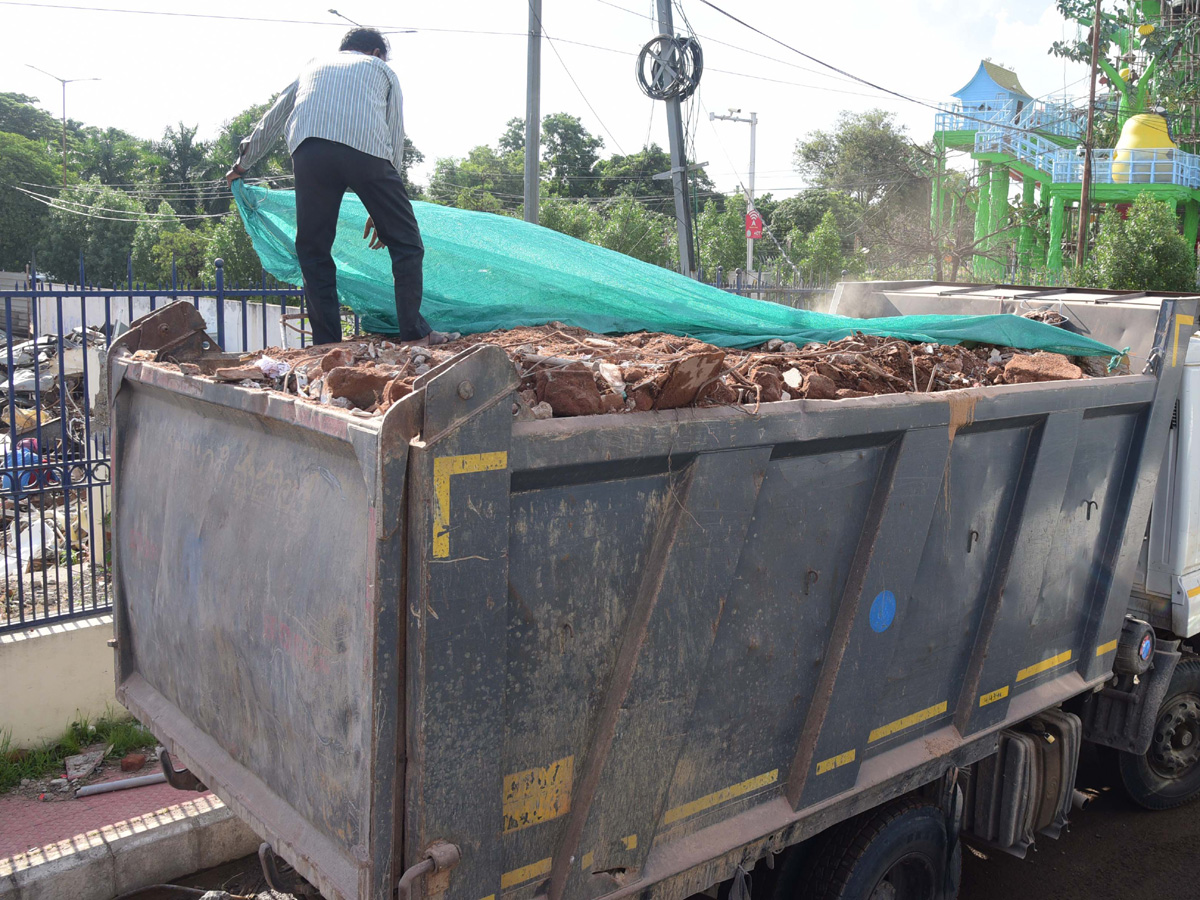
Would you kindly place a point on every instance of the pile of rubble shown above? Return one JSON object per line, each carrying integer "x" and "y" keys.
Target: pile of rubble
{"x": 43, "y": 410}
{"x": 31, "y": 374}
{"x": 567, "y": 371}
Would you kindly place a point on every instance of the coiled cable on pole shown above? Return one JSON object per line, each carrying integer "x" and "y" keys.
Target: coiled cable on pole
{"x": 669, "y": 67}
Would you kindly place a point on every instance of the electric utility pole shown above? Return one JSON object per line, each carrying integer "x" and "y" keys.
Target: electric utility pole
{"x": 683, "y": 213}
{"x": 753, "y": 120}
{"x": 533, "y": 132}
{"x": 64, "y": 82}
{"x": 1085, "y": 182}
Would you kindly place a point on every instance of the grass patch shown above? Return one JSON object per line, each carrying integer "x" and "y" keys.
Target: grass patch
{"x": 121, "y": 733}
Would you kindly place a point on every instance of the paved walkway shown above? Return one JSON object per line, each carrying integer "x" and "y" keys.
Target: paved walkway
{"x": 27, "y": 824}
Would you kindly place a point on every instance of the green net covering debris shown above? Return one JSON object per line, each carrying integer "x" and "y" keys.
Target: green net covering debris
{"x": 485, "y": 272}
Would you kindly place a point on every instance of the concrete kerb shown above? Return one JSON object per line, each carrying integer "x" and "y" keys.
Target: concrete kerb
{"x": 151, "y": 849}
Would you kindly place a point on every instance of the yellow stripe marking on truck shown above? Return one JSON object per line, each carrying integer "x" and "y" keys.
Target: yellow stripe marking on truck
{"x": 1039, "y": 668}
{"x": 525, "y": 873}
{"x": 443, "y": 468}
{"x": 1193, "y": 592}
{"x": 630, "y": 841}
{"x": 588, "y": 859}
{"x": 538, "y": 794}
{"x": 721, "y": 796}
{"x": 835, "y": 762}
{"x": 1106, "y": 648}
{"x": 907, "y": 722}
{"x": 993, "y": 696}
{"x": 1180, "y": 321}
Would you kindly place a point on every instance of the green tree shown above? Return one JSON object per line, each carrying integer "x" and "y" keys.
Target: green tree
{"x": 569, "y": 155}
{"x": 1142, "y": 252}
{"x": 867, "y": 155}
{"x": 633, "y": 175}
{"x": 820, "y": 251}
{"x": 721, "y": 231}
{"x": 484, "y": 180}
{"x": 630, "y": 227}
{"x": 19, "y": 115}
{"x": 98, "y": 221}
{"x": 186, "y": 248}
{"x": 578, "y": 218}
{"x": 228, "y": 242}
{"x": 513, "y": 139}
{"x": 186, "y": 162}
{"x": 149, "y": 234}
{"x": 22, "y": 217}
{"x": 115, "y": 157}
{"x": 803, "y": 213}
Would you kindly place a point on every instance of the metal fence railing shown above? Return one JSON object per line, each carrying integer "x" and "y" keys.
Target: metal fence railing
{"x": 55, "y": 474}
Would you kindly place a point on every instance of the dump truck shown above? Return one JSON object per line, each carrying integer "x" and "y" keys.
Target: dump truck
{"x": 442, "y": 653}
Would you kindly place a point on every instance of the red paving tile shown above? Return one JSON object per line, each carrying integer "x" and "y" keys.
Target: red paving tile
{"x": 25, "y": 823}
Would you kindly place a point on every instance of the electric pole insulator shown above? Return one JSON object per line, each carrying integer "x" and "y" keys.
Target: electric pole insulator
{"x": 669, "y": 67}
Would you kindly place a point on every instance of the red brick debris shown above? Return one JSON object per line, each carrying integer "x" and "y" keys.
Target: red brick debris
{"x": 568, "y": 371}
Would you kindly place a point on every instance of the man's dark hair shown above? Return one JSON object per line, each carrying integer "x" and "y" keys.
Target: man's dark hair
{"x": 365, "y": 40}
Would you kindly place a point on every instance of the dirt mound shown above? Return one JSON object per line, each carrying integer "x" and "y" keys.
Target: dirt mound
{"x": 567, "y": 371}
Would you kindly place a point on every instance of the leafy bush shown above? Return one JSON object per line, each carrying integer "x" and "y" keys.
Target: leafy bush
{"x": 1142, "y": 252}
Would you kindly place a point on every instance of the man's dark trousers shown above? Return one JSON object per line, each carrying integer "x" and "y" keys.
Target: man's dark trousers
{"x": 324, "y": 170}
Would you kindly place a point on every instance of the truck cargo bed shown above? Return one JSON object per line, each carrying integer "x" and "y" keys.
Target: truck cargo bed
{"x": 610, "y": 655}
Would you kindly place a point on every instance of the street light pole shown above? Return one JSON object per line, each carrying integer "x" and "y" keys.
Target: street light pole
{"x": 753, "y": 121}
{"x": 64, "y": 82}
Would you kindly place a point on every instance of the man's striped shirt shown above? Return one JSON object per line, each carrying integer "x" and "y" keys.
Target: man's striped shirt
{"x": 351, "y": 98}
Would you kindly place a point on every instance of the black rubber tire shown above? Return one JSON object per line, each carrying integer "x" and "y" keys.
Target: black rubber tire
{"x": 902, "y": 844}
{"x": 1155, "y": 780}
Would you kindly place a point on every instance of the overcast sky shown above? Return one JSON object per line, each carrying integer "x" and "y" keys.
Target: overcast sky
{"x": 463, "y": 71}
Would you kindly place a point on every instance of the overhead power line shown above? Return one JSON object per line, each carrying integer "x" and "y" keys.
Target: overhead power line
{"x": 871, "y": 84}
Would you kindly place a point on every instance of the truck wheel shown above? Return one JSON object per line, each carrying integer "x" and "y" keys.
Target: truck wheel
{"x": 1168, "y": 775}
{"x": 897, "y": 852}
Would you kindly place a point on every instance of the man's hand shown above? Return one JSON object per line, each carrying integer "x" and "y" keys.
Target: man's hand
{"x": 372, "y": 236}
{"x": 234, "y": 174}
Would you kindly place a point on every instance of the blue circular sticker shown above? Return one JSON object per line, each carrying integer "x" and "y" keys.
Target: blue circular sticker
{"x": 1146, "y": 648}
{"x": 883, "y": 611}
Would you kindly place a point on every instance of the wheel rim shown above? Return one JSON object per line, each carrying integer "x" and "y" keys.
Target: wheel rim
{"x": 909, "y": 878}
{"x": 1175, "y": 750}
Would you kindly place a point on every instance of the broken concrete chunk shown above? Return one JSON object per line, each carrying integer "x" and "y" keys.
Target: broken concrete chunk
{"x": 337, "y": 358}
{"x": 793, "y": 378}
{"x": 240, "y": 373}
{"x": 84, "y": 764}
{"x": 361, "y": 386}
{"x": 610, "y": 403}
{"x": 770, "y": 380}
{"x": 570, "y": 391}
{"x": 686, "y": 377}
{"x": 542, "y": 410}
{"x": 818, "y": 387}
{"x": 1026, "y": 368}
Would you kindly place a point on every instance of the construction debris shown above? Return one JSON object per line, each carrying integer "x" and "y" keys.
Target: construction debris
{"x": 567, "y": 371}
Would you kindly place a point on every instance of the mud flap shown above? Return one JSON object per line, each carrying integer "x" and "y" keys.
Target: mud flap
{"x": 1123, "y": 713}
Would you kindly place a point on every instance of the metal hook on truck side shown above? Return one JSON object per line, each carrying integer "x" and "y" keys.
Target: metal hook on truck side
{"x": 180, "y": 779}
{"x": 438, "y": 857}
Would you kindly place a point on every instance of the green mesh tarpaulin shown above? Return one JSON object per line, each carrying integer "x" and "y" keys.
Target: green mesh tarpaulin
{"x": 485, "y": 272}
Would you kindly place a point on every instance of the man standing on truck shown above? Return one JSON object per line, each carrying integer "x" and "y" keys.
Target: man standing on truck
{"x": 343, "y": 119}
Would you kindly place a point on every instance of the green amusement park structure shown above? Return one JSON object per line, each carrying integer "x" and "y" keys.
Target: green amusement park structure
{"x": 1012, "y": 135}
